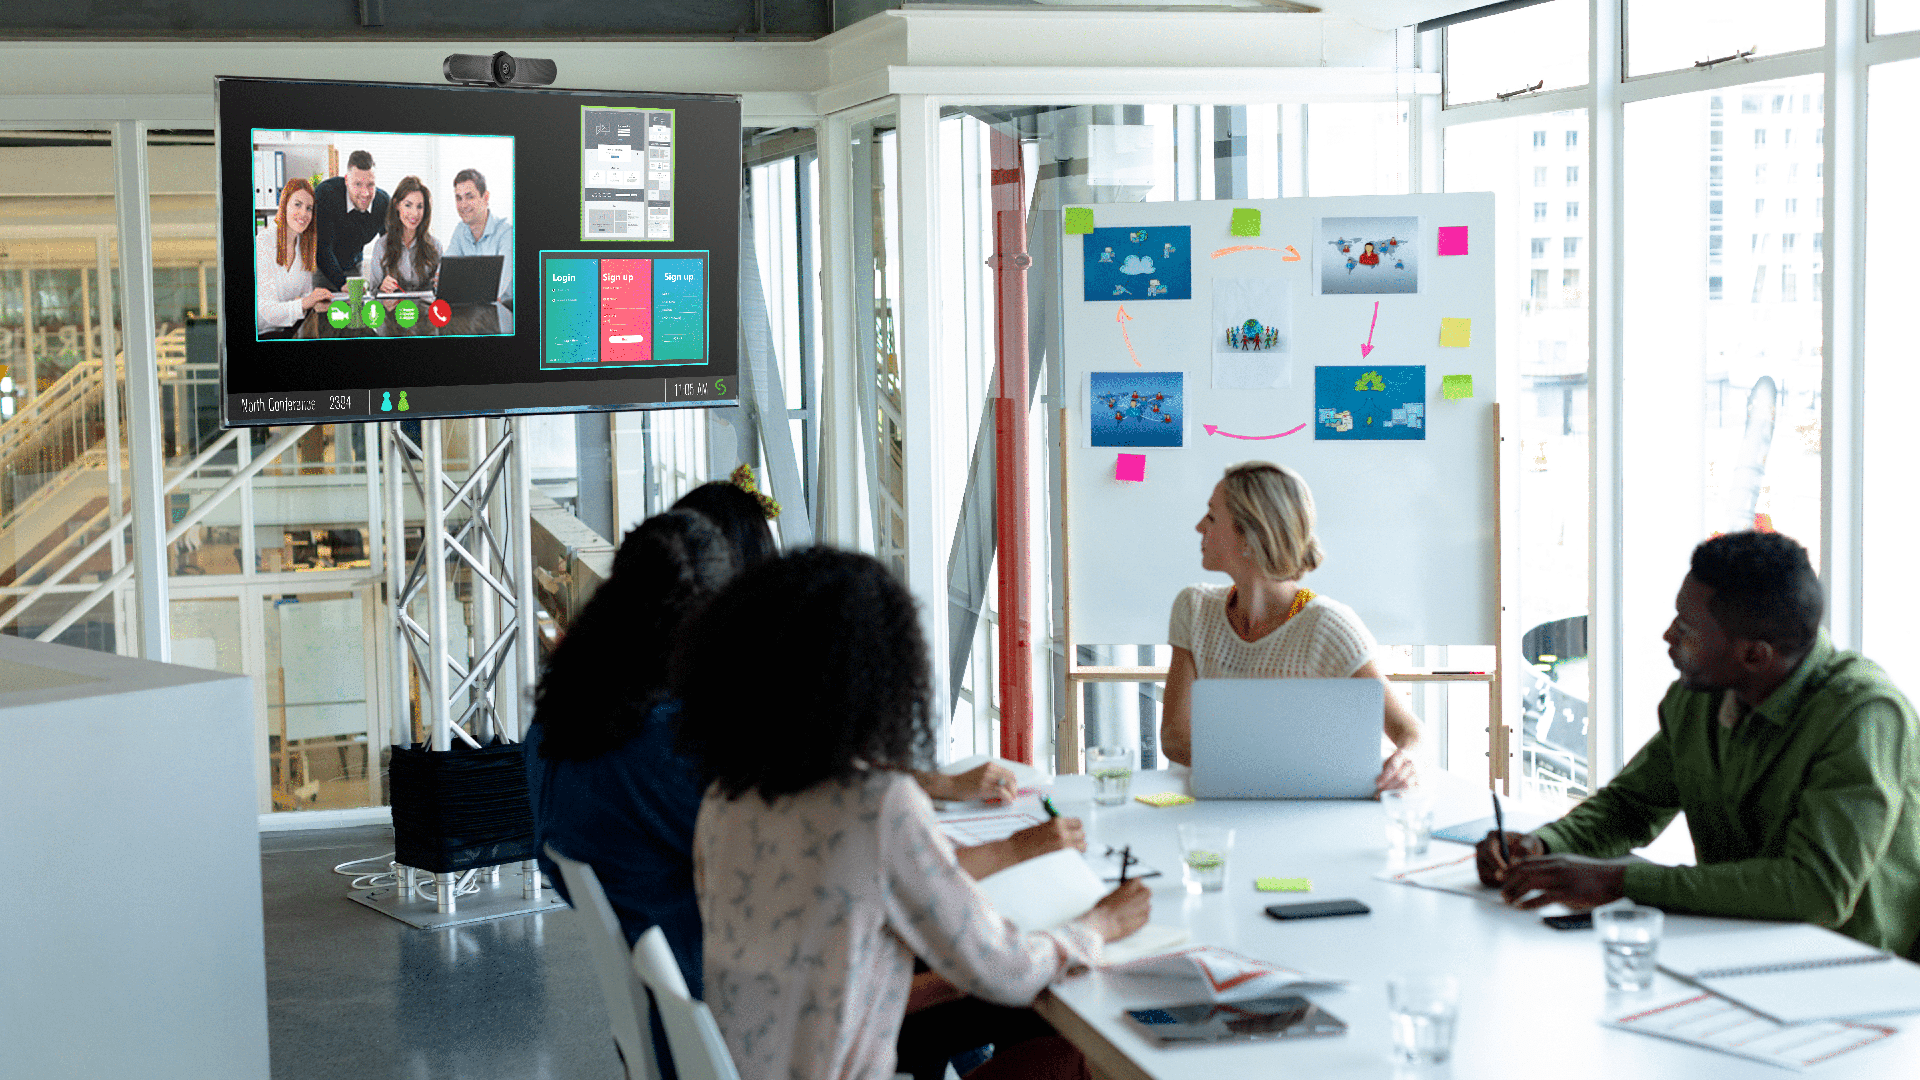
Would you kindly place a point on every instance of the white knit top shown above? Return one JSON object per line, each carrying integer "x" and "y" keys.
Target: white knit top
{"x": 1324, "y": 640}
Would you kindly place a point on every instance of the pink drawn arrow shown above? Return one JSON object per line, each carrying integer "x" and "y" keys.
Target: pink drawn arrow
{"x": 1213, "y": 429}
{"x": 1368, "y": 347}
{"x": 1123, "y": 319}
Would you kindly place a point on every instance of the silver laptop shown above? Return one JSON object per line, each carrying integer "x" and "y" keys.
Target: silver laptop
{"x": 1286, "y": 738}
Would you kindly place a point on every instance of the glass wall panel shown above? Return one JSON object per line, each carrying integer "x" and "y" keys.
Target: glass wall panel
{"x": 876, "y": 231}
{"x": 1667, "y": 35}
{"x": 1502, "y": 53}
{"x": 1892, "y": 516}
{"x": 1543, "y": 385}
{"x": 1895, "y": 16}
{"x": 1722, "y": 337}
{"x": 63, "y": 452}
{"x": 317, "y": 702}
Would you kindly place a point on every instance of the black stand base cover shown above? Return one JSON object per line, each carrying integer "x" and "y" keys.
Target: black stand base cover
{"x": 457, "y": 809}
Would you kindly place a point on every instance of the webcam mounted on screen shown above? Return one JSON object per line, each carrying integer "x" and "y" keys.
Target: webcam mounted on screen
{"x": 500, "y": 69}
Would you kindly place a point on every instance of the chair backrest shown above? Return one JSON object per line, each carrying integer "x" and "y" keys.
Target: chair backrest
{"x": 699, "y": 1053}
{"x": 626, "y": 995}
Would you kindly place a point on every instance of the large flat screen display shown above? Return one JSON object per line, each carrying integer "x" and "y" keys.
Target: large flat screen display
{"x": 397, "y": 252}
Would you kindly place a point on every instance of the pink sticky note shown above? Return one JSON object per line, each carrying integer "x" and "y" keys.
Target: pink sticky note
{"x": 1130, "y": 467}
{"x": 1453, "y": 239}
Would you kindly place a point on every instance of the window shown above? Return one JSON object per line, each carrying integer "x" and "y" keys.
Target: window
{"x": 1793, "y": 172}
{"x": 1786, "y": 242}
{"x": 1537, "y": 288}
{"x": 1817, "y": 238}
{"x": 1669, "y": 35}
{"x": 1820, "y": 206}
{"x": 1779, "y": 102}
{"x": 1759, "y": 282}
{"x": 1539, "y": 140}
{"x": 1791, "y": 205}
{"x": 1787, "y": 289}
{"x": 1819, "y": 170}
{"x": 1750, "y": 103}
{"x": 1715, "y": 174}
{"x": 1716, "y": 138}
{"x": 1759, "y": 174}
{"x": 1539, "y": 247}
{"x": 1713, "y": 207}
{"x": 1714, "y": 244}
{"x": 1759, "y": 136}
{"x": 1786, "y": 136}
{"x": 1573, "y": 175}
{"x": 1819, "y": 136}
{"x": 1713, "y": 288}
{"x": 1759, "y": 207}
{"x": 1540, "y": 176}
{"x": 1756, "y": 242}
{"x": 1492, "y": 55}
{"x": 1539, "y": 211}
{"x": 1570, "y": 247}
{"x": 1573, "y": 140}
{"x": 1570, "y": 285}
{"x": 1573, "y": 211}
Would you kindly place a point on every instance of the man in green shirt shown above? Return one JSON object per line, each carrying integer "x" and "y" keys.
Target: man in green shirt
{"x": 1798, "y": 767}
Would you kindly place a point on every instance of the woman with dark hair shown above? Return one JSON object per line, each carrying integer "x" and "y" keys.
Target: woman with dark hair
{"x": 739, "y": 516}
{"x": 283, "y": 264}
{"x": 405, "y": 257}
{"x": 820, "y": 870}
{"x": 608, "y": 787}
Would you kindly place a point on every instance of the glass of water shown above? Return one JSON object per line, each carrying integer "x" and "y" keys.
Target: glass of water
{"x": 1630, "y": 941}
{"x": 1409, "y": 821}
{"x": 1112, "y": 770}
{"x": 1204, "y": 850}
{"x": 1422, "y": 1009}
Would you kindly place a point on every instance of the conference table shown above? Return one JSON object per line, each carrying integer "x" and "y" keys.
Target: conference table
{"x": 1531, "y": 997}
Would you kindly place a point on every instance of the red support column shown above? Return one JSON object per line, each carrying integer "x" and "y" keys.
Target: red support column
{"x": 1011, "y": 518}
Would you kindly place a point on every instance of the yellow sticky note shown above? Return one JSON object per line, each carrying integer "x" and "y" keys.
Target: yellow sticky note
{"x": 1456, "y": 333}
{"x": 1079, "y": 220}
{"x": 1283, "y": 884}
{"x": 1165, "y": 799}
{"x": 1455, "y": 387}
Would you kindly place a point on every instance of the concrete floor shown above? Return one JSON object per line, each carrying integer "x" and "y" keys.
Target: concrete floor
{"x": 356, "y": 995}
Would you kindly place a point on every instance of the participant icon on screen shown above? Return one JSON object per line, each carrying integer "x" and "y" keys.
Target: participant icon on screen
{"x": 386, "y": 401}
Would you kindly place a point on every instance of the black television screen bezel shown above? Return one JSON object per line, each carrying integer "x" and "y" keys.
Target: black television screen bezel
{"x": 711, "y": 210}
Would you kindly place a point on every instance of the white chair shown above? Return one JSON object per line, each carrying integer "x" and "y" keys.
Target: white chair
{"x": 699, "y": 1052}
{"x": 626, "y": 994}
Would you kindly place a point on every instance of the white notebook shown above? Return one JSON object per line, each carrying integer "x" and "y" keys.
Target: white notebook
{"x": 1796, "y": 972}
{"x": 1058, "y": 887}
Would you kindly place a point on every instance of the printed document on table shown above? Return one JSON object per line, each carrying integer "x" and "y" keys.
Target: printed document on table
{"x": 1701, "y": 1019}
{"x": 1795, "y": 972}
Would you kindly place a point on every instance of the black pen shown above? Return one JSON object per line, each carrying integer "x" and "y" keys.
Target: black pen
{"x": 1046, "y": 803}
{"x": 1126, "y": 860}
{"x": 1499, "y": 827}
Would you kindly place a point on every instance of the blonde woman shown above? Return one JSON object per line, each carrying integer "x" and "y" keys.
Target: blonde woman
{"x": 1258, "y": 530}
{"x": 283, "y": 264}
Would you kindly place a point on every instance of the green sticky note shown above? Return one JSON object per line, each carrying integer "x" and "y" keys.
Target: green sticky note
{"x": 1456, "y": 333}
{"x": 1245, "y": 223}
{"x": 1079, "y": 220}
{"x": 1455, "y": 387}
{"x": 1283, "y": 884}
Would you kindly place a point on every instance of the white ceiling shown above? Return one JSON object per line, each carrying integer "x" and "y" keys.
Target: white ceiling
{"x": 1388, "y": 14}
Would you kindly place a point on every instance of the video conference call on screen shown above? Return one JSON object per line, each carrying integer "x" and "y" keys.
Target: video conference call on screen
{"x": 399, "y": 252}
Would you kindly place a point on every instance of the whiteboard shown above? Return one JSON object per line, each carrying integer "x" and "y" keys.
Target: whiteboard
{"x": 1408, "y": 526}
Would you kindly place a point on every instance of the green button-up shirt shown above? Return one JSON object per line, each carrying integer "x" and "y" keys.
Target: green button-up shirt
{"x": 1808, "y": 809}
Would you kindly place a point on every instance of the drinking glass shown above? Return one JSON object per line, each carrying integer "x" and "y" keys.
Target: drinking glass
{"x": 1630, "y": 942}
{"x": 1112, "y": 770}
{"x": 1422, "y": 1009}
{"x": 1409, "y": 821}
{"x": 1204, "y": 850}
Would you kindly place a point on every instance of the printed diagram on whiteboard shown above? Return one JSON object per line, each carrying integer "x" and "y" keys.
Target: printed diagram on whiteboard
{"x": 626, "y": 173}
{"x": 1369, "y": 255}
{"x": 1370, "y": 403}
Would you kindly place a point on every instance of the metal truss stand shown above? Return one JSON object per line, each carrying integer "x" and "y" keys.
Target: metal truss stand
{"x": 474, "y": 557}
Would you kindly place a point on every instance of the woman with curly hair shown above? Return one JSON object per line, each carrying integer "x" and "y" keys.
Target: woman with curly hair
{"x": 406, "y": 257}
{"x": 820, "y": 870}
{"x": 607, "y": 786}
{"x": 283, "y": 264}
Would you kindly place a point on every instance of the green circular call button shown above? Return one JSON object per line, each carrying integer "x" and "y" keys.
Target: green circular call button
{"x": 338, "y": 316}
{"x": 373, "y": 313}
{"x": 406, "y": 313}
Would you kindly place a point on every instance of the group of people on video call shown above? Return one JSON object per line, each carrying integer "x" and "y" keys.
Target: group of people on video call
{"x": 740, "y": 742}
{"x": 349, "y": 226}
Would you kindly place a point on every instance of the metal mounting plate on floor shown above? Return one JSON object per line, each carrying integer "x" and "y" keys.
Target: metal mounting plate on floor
{"x": 495, "y": 900}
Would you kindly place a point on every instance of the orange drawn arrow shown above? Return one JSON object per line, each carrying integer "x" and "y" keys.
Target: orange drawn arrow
{"x": 1123, "y": 318}
{"x": 1290, "y": 256}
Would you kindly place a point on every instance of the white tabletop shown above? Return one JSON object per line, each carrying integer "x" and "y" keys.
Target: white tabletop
{"x": 1530, "y": 997}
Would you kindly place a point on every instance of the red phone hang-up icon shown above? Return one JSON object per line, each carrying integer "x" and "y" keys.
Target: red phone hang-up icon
{"x": 439, "y": 313}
